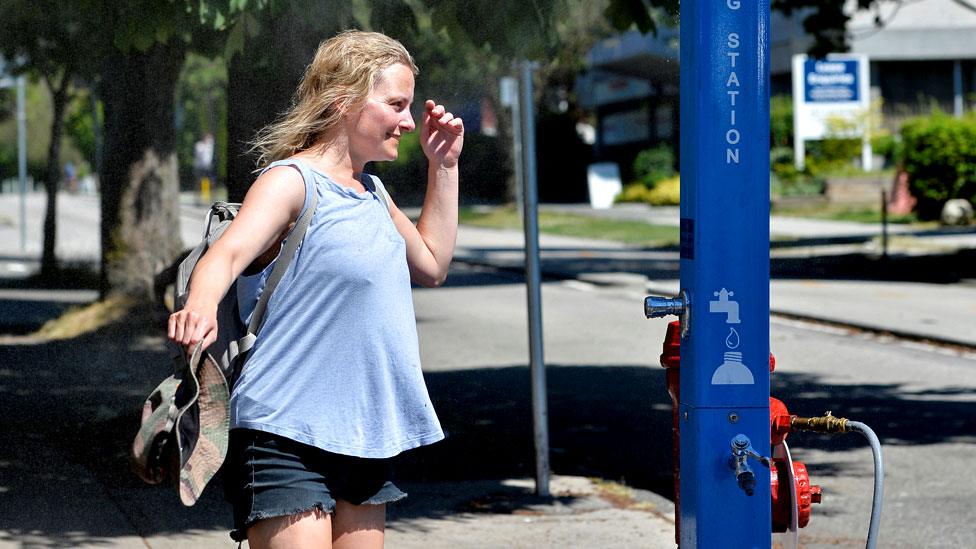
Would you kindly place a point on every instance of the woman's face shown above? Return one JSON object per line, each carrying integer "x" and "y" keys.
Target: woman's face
{"x": 374, "y": 133}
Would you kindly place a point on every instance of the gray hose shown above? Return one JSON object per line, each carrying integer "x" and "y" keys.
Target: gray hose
{"x": 878, "y": 479}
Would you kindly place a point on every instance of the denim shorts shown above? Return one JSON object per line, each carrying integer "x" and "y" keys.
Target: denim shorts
{"x": 273, "y": 476}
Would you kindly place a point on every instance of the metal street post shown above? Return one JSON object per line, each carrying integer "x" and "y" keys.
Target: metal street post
{"x": 725, "y": 272}
{"x": 509, "y": 91}
{"x": 540, "y": 416}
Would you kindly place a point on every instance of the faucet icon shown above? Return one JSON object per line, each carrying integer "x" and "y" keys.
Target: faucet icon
{"x": 724, "y": 305}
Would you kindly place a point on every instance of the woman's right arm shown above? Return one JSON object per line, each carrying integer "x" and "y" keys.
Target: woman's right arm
{"x": 271, "y": 204}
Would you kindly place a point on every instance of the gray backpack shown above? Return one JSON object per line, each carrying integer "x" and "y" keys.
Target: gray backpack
{"x": 186, "y": 419}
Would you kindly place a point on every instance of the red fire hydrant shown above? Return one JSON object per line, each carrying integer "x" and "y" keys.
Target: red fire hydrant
{"x": 779, "y": 428}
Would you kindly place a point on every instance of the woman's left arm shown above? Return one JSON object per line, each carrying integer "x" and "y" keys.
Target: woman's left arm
{"x": 430, "y": 244}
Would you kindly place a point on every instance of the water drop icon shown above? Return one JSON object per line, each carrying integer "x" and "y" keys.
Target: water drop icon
{"x": 732, "y": 341}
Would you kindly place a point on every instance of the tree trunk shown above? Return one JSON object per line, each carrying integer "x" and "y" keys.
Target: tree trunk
{"x": 140, "y": 178}
{"x": 59, "y": 94}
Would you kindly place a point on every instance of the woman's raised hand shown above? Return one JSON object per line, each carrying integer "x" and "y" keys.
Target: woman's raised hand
{"x": 441, "y": 135}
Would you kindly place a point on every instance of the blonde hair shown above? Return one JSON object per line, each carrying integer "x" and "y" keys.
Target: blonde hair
{"x": 338, "y": 80}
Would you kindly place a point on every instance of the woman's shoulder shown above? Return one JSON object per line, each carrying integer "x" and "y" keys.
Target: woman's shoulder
{"x": 294, "y": 168}
{"x": 280, "y": 181}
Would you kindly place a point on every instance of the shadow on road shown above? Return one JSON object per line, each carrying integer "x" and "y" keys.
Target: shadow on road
{"x": 71, "y": 408}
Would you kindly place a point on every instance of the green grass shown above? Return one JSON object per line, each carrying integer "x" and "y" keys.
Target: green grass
{"x": 839, "y": 212}
{"x": 628, "y": 232}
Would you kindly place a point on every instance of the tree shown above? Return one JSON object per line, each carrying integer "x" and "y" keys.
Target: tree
{"x": 140, "y": 176}
{"x": 825, "y": 21}
{"x": 53, "y": 41}
{"x": 134, "y": 63}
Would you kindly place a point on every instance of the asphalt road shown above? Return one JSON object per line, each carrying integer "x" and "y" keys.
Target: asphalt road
{"x": 609, "y": 410}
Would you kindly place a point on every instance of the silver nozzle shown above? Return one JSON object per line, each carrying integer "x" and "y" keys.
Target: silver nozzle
{"x": 656, "y": 306}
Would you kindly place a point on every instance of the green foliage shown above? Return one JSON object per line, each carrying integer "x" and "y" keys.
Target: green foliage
{"x": 79, "y": 124}
{"x": 832, "y": 155}
{"x": 667, "y": 192}
{"x": 824, "y": 20}
{"x": 646, "y": 16}
{"x": 940, "y": 158}
{"x": 891, "y": 147}
{"x": 39, "y": 115}
{"x": 786, "y": 180}
{"x": 781, "y": 121}
{"x": 513, "y": 28}
{"x": 653, "y": 165}
{"x": 202, "y": 96}
{"x": 8, "y": 159}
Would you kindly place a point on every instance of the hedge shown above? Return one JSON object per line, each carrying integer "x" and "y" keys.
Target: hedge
{"x": 940, "y": 157}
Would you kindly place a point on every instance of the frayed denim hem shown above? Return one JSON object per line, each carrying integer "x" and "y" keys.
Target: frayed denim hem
{"x": 389, "y": 493}
{"x": 239, "y": 534}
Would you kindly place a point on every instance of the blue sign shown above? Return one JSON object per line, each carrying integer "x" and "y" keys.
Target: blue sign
{"x": 831, "y": 81}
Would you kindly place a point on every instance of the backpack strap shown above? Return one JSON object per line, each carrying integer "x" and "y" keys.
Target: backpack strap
{"x": 292, "y": 242}
{"x": 374, "y": 184}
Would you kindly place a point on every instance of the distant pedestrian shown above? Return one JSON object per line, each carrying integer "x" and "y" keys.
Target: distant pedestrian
{"x": 203, "y": 166}
{"x": 333, "y": 387}
{"x": 203, "y": 154}
{"x": 70, "y": 177}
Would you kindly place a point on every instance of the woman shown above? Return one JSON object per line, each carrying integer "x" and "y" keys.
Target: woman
{"x": 332, "y": 389}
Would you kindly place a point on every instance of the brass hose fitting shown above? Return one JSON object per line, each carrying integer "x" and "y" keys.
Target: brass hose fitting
{"x": 825, "y": 424}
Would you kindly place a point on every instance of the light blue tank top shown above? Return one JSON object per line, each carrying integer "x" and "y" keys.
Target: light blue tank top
{"x": 337, "y": 364}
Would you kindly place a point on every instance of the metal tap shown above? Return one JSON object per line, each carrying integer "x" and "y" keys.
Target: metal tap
{"x": 742, "y": 450}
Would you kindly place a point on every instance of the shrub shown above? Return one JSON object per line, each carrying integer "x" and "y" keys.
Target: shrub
{"x": 633, "y": 192}
{"x": 665, "y": 192}
{"x": 890, "y": 147}
{"x": 653, "y": 165}
{"x": 786, "y": 180}
{"x": 781, "y": 121}
{"x": 940, "y": 157}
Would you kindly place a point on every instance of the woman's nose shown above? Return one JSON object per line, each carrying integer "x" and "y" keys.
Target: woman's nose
{"x": 406, "y": 123}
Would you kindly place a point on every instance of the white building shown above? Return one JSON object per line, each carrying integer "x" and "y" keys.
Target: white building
{"x": 922, "y": 53}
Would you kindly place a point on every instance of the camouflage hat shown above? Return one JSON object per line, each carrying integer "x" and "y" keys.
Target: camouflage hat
{"x": 153, "y": 441}
{"x": 202, "y": 427}
{"x": 185, "y": 426}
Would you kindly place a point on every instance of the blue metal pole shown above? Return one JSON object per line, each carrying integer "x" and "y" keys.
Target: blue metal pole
{"x": 725, "y": 272}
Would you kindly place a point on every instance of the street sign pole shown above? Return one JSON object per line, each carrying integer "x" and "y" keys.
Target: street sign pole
{"x": 724, "y": 271}
{"x": 533, "y": 278}
{"x": 508, "y": 88}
